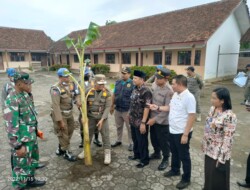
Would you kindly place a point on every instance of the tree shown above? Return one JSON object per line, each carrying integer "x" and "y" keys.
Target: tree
{"x": 79, "y": 45}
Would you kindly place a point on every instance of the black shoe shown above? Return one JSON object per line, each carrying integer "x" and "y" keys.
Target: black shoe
{"x": 163, "y": 165}
{"x": 155, "y": 156}
{"x": 97, "y": 143}
{"x": 59, "y": 151}
{"x": 40, "y": 165}
{"x": 81, "y": 144}
{"x": 133, "y": 158}
{"x": 33, "y": 182}
{"x": 182, "y": 184}
{"x": 171, "y": 173}
{"x": 116, "y": 144}
{"x": 141, "y": 165}
{"x": 243, "y": 184}
{"x": 68, "y": 156}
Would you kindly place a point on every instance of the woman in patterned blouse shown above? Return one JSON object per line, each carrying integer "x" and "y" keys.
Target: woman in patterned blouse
{"x": 217, "y": 141}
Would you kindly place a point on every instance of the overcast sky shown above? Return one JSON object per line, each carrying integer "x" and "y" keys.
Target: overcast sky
{"x": 57, "y": 18}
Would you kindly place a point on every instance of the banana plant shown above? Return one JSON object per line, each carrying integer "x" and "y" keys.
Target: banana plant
{"x": 79, "y": 46}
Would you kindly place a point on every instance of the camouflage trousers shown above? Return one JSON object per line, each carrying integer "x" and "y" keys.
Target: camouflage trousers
{"x": 24, "y": 167}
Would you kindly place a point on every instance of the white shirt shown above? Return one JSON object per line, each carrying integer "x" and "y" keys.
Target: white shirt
{"x": 180, "y": 106}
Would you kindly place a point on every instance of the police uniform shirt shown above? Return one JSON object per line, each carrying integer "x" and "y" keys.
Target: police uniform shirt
{"x": 161, "y": 97}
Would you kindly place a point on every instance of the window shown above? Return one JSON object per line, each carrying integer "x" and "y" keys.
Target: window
{"x": 86, "y": 56}
{"x": 36, "y": 56}
{"x": 76, "y": 60}
{"x": 110, "y": 58}
{"x": 17, "y": 57}
{"x": 157, "y": 58}
{"x": 126, "y": 58}
{"x": 184, "y": 58}
{"x": 245, "y": 54}
{"x": 197, "y": 57}
{"x": 95, "y": 58}
{"x": 168, "y": 58}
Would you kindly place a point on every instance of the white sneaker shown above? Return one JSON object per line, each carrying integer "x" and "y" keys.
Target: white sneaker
{"x": 81, "y": 155}
{"x": 198, "y": 118}
{"x": 107, "y": 156}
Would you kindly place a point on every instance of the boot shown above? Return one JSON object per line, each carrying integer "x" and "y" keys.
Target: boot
{"x": 33, "y": 182}
{"x": 59, "y": 151}
{"x": 69, "y": 156}
{"x": 107, "y": 156}
{"x": 81, "y": 155}
{"x": 198, "y": 118}
{"x": 96, "y": 141}
{"x": 81, "y": 144}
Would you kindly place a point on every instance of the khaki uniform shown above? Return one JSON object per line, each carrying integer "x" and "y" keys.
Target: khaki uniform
{"x": 98, "y": 106}
{"x": 62, "y": 109}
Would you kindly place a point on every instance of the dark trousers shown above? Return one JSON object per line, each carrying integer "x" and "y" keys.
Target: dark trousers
{"x": 159, "y": 135}
{"x": 180, "y": 154}
{"x": 248, "y": 170}
{"x": 214, "y": 178}
{"x": 140, "y": 144}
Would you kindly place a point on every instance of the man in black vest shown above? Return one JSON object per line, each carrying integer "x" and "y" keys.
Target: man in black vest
{"x": 121, "y": 103}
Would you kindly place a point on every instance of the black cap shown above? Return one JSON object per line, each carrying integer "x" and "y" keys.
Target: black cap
{"x": 22, "y": 76}
{"x": 190, "y": 68}
{"x": 162, "y": 73}
{"x": 248, "y": 65}
{"x": 140, "y": 74}
{"x": 126, "y": 70}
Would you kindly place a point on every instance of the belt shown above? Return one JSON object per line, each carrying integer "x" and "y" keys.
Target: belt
{"x": 66, "y": 111}
{"x": 95, "y": 113}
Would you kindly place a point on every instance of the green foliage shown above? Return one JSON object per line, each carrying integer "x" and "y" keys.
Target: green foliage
{"x": 150, "y": 71}
{"x": 100, "y": 69}
{"x": 244, "y": 45}
{"x": 92, "y": 34}
{"x": 58, "y": 66}
{"x": 112, "y": 87}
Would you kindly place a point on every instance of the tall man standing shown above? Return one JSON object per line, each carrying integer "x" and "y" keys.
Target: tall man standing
{"x": 138, "y": 116}
{"x": 21, "y": 126}
{"x": 121, "y": 103}
{"x": 159, "y": 130}
{"x": 181, "y": 120}
{"x": 195, "y": 85}
{"x": 98, "y": 107}
{"x": 62, "y": 95}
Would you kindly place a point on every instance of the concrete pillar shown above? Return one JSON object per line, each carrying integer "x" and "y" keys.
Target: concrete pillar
{"x": 29, "y": 59}
{"x": 6, "y": 58}
{"x": 120, "y": 60}
{"x": 139, "y": 57}
{"x": 91, "y": 57}
{"x": 193, "y": 55}
{"x": 104, "y": 57}
{"x": 163, "y": 56}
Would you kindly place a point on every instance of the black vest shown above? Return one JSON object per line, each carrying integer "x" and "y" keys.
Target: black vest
{"x": 122, "y": 95}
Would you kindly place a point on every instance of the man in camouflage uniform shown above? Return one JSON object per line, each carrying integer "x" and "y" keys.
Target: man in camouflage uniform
{"x": 63, "y": 94}
{"x": 98, "y": 106}
{"x": 8, "y": 86}
{"x": 21, "y": 126}
{"x": 195, "y": 85}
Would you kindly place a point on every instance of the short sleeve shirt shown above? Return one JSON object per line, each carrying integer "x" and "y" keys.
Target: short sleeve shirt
{"x": 180, "y": 106}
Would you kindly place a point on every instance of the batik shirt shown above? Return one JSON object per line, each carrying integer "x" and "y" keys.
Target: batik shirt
{"x": 139, "y": 99}
{"x": 20, "y": 119}
{"x": 218, "y": 134}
